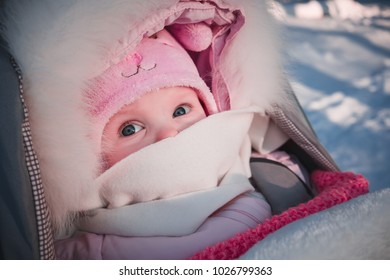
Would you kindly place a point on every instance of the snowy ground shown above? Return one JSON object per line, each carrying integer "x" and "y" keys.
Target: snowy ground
{"x": 340, "y": 62}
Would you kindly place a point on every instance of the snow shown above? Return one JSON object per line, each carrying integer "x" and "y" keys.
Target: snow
{"x": 311, "y": 10}
{"x": 340, "y": 109}
{"x": 339, "y": 63}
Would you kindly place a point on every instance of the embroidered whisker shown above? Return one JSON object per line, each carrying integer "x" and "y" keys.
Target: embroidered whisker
{"x": 138, "y": 68}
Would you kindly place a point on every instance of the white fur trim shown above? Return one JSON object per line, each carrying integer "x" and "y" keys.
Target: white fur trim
{"x": 60, "y": 44}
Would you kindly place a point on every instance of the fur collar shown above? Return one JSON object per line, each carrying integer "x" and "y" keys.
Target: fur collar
{"x": 62, "y": 44}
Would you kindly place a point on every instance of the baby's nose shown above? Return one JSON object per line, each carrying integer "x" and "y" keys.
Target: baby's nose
{"x": 166, "y": 132}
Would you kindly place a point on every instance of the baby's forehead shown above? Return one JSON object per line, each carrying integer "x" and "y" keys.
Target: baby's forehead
{"x": 157, "y": 98}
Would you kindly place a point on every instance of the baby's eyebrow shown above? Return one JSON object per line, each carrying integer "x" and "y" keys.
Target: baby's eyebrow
{"x": 123, "y": 114}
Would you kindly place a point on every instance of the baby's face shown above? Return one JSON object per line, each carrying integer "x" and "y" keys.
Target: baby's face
{"x": 154, "y": 117}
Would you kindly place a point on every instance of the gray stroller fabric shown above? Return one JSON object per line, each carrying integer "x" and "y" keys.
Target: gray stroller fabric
{"x": 25, "y": 230}
{"x": 18, "y": 230}
{"x": 281, "y": 187}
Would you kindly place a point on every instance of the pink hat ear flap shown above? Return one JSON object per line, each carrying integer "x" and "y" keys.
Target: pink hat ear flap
{"x": 193, "y": 36}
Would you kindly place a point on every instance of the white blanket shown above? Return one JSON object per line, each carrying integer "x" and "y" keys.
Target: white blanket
{"x": 172, "y": 186}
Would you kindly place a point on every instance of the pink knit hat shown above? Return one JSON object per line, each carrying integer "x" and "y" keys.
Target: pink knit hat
{"x": 157, "y": 62}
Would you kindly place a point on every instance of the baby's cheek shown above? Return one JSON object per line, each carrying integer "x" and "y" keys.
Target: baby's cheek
{"x": 113, "y": 153}
{"x": 200, "y": 116}
{"x": 194, "y": 120}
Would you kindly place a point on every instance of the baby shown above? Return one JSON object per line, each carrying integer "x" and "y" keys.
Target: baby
{"x": 152, "y": 118}
{"x": 167, "y": 199}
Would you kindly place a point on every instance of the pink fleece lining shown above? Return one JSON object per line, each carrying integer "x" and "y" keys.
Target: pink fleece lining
{"x": 333, "y": 187}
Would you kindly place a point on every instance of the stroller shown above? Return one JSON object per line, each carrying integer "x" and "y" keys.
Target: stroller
{"x": 310, "y": 221}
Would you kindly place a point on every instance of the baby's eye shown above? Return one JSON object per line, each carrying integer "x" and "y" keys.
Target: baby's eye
{"x": 181, "y": 110}
{"x": 131, "y": 129}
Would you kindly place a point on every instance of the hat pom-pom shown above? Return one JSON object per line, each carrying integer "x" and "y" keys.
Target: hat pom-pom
{"x": 194, "y": 36}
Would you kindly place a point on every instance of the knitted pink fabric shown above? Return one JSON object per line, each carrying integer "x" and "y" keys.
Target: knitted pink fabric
{"x": 156, "y": 62}
{"x": 333, "y": 187}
